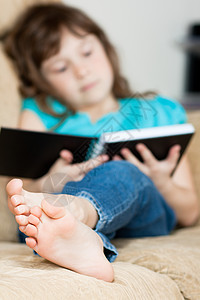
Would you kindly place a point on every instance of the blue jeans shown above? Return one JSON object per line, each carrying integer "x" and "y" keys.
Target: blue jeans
{"x": 127, "y": 202}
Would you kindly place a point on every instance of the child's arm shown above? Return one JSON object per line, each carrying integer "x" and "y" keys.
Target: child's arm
{"x": 28, "y": 120}
{"x": 180, "y": 194}
{"x": 178, "y": 190}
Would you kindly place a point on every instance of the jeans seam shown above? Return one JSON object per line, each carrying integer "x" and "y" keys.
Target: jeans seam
{"x": 108, "y": 245}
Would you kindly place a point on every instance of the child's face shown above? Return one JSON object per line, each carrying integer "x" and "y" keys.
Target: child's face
{"x": 80, "y": 73}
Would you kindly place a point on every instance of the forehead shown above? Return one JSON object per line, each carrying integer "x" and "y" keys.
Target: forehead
{"x": 70, "y": 42}
{"x": 69, "y": 39}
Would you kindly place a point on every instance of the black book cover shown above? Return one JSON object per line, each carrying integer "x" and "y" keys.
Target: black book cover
{"x": 30, "y": 154}
{"x": 158, "y": 139}
{"x": 159, "y": 146}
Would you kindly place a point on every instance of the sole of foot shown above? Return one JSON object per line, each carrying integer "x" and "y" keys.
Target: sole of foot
{"x": 57, "y": 236}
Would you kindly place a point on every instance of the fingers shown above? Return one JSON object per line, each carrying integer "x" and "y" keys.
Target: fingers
{"x": 173, "y": 155}
{"x": 145, "y": 153}
{"x": 92, "y": 163}
{"x": 128, "y": 155}
{"x": 147, "y": 156}
{"x": 65, "y": 159}
{"x": 95, "y": 162}
{"x": 66, "y": 155}
{"x": 116, "y": 157}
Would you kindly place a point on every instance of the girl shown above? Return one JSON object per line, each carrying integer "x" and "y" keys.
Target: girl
{"x": 71, "y": 80}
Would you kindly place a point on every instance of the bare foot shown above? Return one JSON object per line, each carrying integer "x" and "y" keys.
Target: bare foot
{"x": 20, "y": 202}
{"x": 56, "y": 235}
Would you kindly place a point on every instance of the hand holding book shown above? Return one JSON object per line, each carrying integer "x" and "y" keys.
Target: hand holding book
{"x": 63, "y": 171}
{"x": 152, "y": 167}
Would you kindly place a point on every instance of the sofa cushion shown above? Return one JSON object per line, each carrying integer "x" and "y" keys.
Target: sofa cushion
{"x": 9, "y": 112}
{"x": 25, "y": 276}
{"x": 177, "y": 256}
{"x": 10, "y": 9}
{"x": 9, "y": 104}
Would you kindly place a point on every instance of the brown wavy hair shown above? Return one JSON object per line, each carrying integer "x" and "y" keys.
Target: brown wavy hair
{"x": 36, "y": 36}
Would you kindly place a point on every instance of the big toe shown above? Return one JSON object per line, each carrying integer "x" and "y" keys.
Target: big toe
{"x": 14, "y": 187}
{"x": 53, "y": 211}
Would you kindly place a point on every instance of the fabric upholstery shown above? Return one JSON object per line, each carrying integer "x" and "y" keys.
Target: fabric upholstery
{"x": 9, "y": 103}
{"x": 24, "y": 276}
{"x": 177, "y": 256}
{"x": 9, "y": 112}
{"x": 10, "y": 9}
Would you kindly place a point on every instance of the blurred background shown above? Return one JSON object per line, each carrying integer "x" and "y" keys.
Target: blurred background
{"x": 149, "y": 38}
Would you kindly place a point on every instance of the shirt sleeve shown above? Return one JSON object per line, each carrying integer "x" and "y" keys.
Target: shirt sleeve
{"x": 30, "y": 104}
{"x": 172, "y": 111}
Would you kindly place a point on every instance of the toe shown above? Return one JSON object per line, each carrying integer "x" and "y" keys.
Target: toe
{"x": 21, "y": 220}
{"x": 22, "y": 228}
{"x": 33, "y": 220}
{"x": 36, "y": 211}
{"x": 31, "y": 242}
{"x": 17, "y": 200}
{"x": 31, "y": 230}
{"x": 14, "y": 187}
{"x": 53, "y": 211}
{"x": 22, "y": 210}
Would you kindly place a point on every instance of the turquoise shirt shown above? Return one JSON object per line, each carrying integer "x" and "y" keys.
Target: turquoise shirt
{"x": 132, "y": 114}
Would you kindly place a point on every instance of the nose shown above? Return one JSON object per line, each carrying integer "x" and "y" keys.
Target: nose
{"x": 81, "y": 70}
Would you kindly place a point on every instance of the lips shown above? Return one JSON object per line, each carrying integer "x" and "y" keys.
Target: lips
{"x": 88, "y": 86}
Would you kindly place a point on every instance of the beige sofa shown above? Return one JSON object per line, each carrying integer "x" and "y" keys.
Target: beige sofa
{"x": 148, "y": 268}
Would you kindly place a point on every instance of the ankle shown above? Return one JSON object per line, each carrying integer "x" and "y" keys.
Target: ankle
{"x": 89, "y": 212}
{"x": 84, "y": 211}
{"x": 92, "y": 216}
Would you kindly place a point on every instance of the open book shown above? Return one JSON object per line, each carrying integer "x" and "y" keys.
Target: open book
{"x": 30, "y": 154}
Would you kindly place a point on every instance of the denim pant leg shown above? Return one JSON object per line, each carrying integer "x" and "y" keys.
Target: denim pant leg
{"x": 127, "y": 202}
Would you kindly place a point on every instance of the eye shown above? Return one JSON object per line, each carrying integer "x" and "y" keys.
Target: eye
{"x": 87, "y": 50}
{"x": 61, "y": 70}
{"x": 88, "y": 53}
